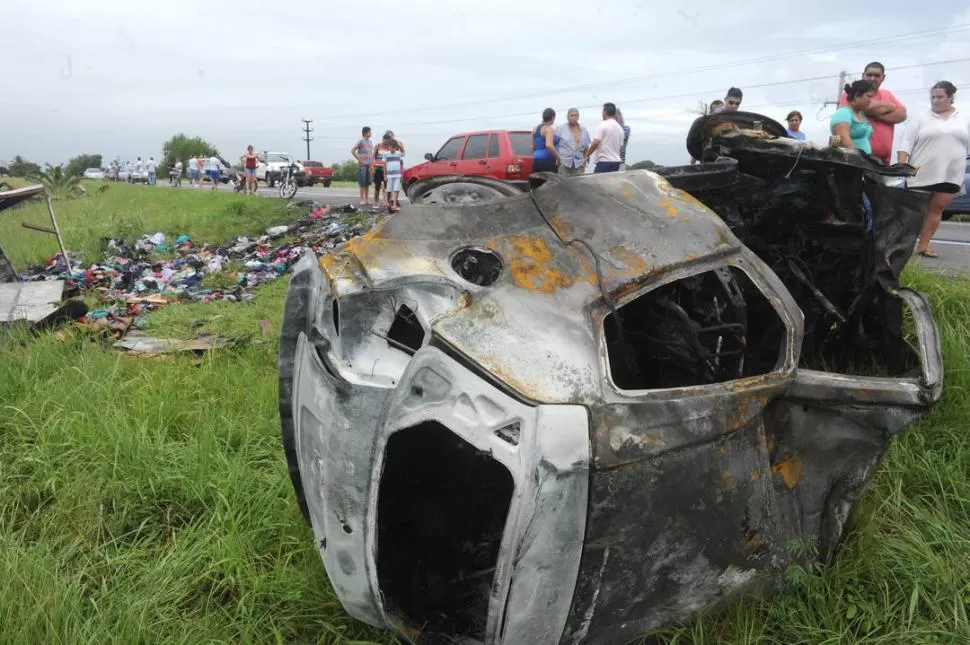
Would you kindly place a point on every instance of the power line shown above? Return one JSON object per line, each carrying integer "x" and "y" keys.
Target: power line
{"x": 307, "y": 130}
{"x": 670, "y": 74}
{"x": 682, "y": 95}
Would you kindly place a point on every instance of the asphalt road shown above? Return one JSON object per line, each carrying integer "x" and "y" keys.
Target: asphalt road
{"x": 316, "y": 193}
{"x": 952, "y": 244}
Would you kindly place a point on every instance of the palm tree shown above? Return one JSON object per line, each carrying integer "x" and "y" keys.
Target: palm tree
{"x": 58, "y": 183}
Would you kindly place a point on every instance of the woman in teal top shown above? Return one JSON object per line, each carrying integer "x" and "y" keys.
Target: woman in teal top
{"x": 850, "y": 123}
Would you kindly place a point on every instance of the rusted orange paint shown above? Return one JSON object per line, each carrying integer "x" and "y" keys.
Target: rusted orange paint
{"x": 728, "y": 481}
{"x": 531, "y": 265}
{"x": 755, "y": 475}
{"x": 633, "y": 262}
{"x": 790, "y": 469}
{"x": 671, "y": 209}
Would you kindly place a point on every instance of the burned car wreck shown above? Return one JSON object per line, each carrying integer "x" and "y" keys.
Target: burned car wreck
{"x": 595, "y": 408}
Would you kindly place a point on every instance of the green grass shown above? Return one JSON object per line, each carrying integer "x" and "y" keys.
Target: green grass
{"x": 129, "y": 211}
{"x": 147, "y": 500}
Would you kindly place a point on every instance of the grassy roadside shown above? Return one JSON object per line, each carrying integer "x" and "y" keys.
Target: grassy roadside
{"x": 130, "y": 211}
{"x": 147, "y": 500}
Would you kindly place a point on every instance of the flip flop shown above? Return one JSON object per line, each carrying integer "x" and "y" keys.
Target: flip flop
{"x": 928, "y": 254}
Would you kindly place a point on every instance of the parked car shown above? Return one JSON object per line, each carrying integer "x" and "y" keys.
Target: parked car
{"x": 500, "y": 154}
{"x": 317, "y": 173}
{"x": 93, "y": 173}
{"x": 271, "y": 165}
{"x": 960, "y": 204}
{"x": 135, "y": 176}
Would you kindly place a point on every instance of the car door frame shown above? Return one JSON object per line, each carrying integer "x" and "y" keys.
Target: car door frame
{"x": 438, "y": 167}
{"x": 479, "y": 166}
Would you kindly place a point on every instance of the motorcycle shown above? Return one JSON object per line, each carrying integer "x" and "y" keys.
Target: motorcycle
{"x": 238, "y": 182}
{"x": 288, "y": 181}
{"x": 175, "y": 177}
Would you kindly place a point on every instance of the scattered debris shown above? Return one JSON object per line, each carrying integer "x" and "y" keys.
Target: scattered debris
{"x": 140, "y": 344}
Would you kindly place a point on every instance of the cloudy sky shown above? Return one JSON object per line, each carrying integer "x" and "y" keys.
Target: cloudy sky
{"x": 120, "y": 77}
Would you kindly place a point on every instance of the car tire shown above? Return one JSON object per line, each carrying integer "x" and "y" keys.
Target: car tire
{"x": 327, "y": 182}
{"x": 460, "y": 190}
{"x": 269, "y": 181}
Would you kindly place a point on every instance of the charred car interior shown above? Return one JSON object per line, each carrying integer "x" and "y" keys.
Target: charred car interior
{"x": 596, "y": 407}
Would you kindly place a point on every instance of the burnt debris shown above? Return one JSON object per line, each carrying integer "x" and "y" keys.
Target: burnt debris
{"x": 694, "y": 331}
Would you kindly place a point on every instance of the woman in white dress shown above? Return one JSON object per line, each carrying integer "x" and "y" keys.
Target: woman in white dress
{"x": 937, "y": 143}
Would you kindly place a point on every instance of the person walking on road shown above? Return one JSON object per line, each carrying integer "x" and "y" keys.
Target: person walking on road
{"x": 573, "y": 140}
{"x": 250, "y": 160}
{"x": 193, "y": 171}
{"x": 152, "y": 177}
{"x": 607, "y": 142}
{"x": 214, "y": 164}
{"x": 363, "y": 152}
{"x": 884, "y": 112}
{"x": 937, "y": 142}
{"x": 545, "y": 157}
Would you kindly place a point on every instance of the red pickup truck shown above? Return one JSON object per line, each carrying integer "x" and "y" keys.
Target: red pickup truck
{"x": 317, "y": 173}
{"x": 500, "y": 154}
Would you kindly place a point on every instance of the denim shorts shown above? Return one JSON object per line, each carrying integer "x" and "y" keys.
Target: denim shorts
{"x": 607, "y": 166}
{"x": 363, "y": 176}
{"x": 250, "y": 171}
{"x": 193, "y": 173}
{"x": 214, "y": 175}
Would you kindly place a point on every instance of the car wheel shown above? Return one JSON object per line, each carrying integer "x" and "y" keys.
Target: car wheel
{"x": 269, "y": 180}
{"x": 460, "y": 189}
{"x": 327, "y": 182}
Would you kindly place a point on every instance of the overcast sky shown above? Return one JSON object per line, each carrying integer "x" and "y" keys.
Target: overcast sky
{"x": 120, "y": 77}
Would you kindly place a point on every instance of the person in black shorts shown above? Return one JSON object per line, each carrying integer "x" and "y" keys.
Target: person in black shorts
{"x": 380, "y": 174}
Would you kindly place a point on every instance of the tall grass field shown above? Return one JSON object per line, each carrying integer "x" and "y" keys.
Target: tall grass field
{"x": 147, "y": 500}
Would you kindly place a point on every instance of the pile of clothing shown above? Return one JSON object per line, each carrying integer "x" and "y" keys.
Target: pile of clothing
{"x": 154, "y": 270}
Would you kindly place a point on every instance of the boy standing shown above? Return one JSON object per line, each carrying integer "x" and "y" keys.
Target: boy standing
{"x": 363, "y": 152}
{"x": 394, "y": 170}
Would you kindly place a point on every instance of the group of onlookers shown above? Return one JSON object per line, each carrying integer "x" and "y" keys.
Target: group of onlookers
{"x": 568, "y": 148}
{"x": 195, "y": 168}
{"x": 146, "y": 169}
{"x": 936, "y": 142}
{"x": 382, "y": 165}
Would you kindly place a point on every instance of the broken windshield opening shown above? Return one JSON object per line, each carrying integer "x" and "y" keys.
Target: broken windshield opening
{"x": 707, "y": 328}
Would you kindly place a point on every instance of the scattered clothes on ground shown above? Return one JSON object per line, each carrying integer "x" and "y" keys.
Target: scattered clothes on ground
{"x": 155, "y": 270}
{"x": 134, "y": 279}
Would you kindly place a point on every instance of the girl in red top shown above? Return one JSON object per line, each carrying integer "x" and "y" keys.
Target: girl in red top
{"x": 250, "y": 161}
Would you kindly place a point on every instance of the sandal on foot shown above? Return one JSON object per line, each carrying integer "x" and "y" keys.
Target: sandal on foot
{"x": 926, "y": 253}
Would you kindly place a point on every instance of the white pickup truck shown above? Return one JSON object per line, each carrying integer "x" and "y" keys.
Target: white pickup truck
{"x": 272, "y": 163}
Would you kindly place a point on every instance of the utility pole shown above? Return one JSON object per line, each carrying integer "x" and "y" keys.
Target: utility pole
{"x": 838, "y": 92}
{"x": 307, "y": 130}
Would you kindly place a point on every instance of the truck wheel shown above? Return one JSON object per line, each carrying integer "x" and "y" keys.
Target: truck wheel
{"x": 327, "y": 182}
{"x": 269, "y": 180}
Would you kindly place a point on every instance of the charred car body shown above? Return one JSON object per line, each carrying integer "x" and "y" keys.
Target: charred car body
{"x": 589, "y": 410}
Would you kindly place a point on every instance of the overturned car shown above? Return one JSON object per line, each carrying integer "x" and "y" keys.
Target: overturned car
{"x": 589, "y": 410}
